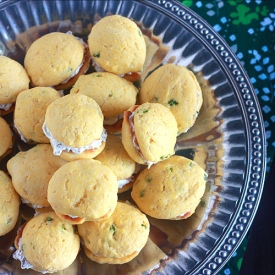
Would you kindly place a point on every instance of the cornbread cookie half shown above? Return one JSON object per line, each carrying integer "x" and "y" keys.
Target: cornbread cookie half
{"x": 5, "y": 138}
{"x": 13, "y": 79}
{"x": 113, "y": 94}
{"x": 117, "y": 45}
{"x": 83, "y": 190}
{"x": 171, "y": 189}
{"x": 117, "y": 159}
{"x": 74, "y": 126}
{"x": 47, "y": 244}
{"x": 29, "y": 113}
{"x": 149, "y": 133}
{"x": 54, "y": 59}
{"x": 118, "y": 239}
{"x": 9, "y": 204}
{"x": 31, "y": 171}
{"x": 177, "y": 88}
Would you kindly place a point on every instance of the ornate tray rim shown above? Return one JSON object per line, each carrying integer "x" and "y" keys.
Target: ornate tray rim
{"x": 248, "y": 203}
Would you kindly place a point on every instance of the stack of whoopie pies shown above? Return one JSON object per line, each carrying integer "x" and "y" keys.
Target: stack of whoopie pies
{"x": 91, "y": 135}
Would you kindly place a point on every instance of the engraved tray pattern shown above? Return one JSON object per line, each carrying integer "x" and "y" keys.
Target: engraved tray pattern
{"x": 231, "y": 147}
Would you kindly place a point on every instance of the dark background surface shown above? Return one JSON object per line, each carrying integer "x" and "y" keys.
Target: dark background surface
{"x": 248, "y": 27}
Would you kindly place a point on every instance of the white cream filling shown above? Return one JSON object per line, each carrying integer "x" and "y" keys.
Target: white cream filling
{"x": 123, "y": 182}
{"x": 112, "y": 120}
{"x": 61, "y": 92}
{"x": 5, "y": 107}
{"x": 18, "y": 255}
{"x": 74, "y": 73}
{"x": 59, "y": 146}
{"x": 73, "y": 217}
{"x": 98, "y": 68}
{"x": 131, "y": 120}
{"x": 182, "y": 215}
{"x": 34, "y": 206}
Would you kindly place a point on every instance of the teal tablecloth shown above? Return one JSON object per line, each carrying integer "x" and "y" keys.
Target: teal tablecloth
{"x": 248, "y": 27}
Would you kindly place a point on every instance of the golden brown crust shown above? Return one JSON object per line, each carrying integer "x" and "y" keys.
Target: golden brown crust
{"x": 103, "y": 260}
{"x": 84, "y": 68}
{"x": 114, "y": 128}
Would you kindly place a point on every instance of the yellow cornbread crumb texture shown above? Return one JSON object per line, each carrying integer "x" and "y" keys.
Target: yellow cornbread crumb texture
{"x": 53, "y": 58}
{"x": 176, "y": 88}
{"x": 30, "y": 110}
{"x": 155, "y": 128}
{"x": 83, "y": 188}
{"x": 116, "y": 158}
{"x": 112, "y": 93}
{"x": 9, "y": 204}
{"x": 75, "y": 119}
{"x": 117, "y": 239}
{"x": 13, "y": 79}
{"x": 170, "y": 189}
{"x": 48, "y": 243}
{"x": 31, "y": 172}
{"x": 117, "y": 45}
{"x": 5, "y": 136}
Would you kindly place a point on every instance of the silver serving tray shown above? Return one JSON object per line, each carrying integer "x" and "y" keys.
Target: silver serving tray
{"x": 227, "y": 140}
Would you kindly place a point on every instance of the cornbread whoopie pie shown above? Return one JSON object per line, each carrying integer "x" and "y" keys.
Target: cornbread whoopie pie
{"x": 117, "y": 45}
{"x": 13, "y": 80}
{"x": 31, "y": 171}
{"x": 74, "y": 126}
{"x": 149, "y": 133}
{"x": 118, "y": 239}
{"x": 56, "y": 60}
{"x": 117, "y": 159}
{"x": 29, "y": 113}
{"x": 177, "y": 88}
{"x": 83, "y": 190}
{"x": 113, "y": 94}
{"x": 9, "y": 204}
{"x": 171, "y": 189}
{"x": 6, "y": 140}
{"x": 46, "y": 244}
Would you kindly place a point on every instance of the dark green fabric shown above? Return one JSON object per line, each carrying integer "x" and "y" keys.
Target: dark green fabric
{"x": 248, "y": 27}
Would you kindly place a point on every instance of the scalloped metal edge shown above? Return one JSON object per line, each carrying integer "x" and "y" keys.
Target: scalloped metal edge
{"x": 252, "y": 189}
{"x": 254, "y": 182}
